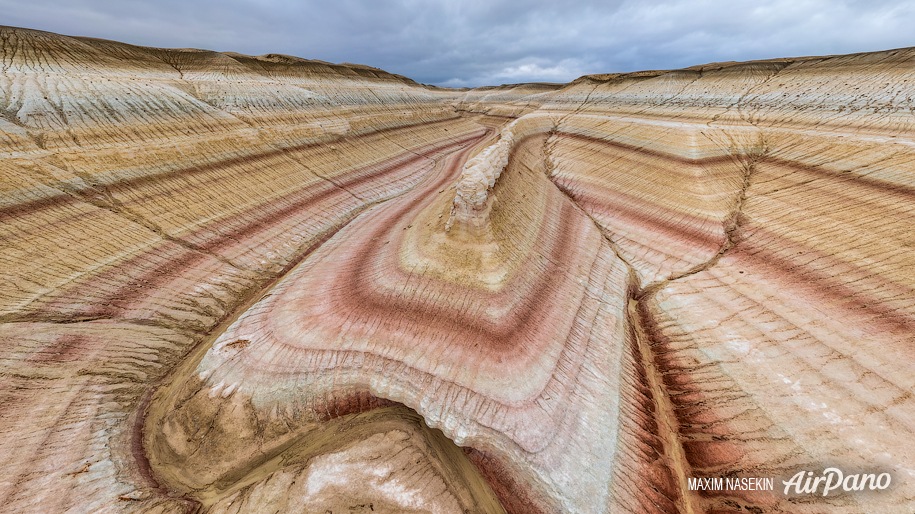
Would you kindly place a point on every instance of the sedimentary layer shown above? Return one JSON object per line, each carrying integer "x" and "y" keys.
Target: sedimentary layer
{"x": 235, "y": 283}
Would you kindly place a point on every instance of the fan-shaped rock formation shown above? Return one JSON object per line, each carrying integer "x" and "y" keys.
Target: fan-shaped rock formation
{"x": 266, "y": 284}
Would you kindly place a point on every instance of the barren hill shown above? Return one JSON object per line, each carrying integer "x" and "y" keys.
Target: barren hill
{"x": 266, "y": 284}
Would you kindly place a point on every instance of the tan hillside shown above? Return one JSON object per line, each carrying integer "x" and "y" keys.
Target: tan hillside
{"x": 237, "y": 283}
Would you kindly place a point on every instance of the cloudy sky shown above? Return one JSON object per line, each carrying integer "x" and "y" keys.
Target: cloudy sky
{"x": 477, "y": 42}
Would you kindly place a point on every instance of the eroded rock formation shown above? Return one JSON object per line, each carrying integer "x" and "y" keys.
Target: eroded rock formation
{"x": 238, "y": 284}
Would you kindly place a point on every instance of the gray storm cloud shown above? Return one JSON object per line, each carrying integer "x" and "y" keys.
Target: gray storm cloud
{"x": 470, "y": 43}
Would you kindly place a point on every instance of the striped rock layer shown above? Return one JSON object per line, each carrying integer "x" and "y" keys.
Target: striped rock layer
{"x": 265, "y": 284}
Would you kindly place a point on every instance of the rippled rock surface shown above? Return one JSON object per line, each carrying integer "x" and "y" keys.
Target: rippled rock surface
{"x": 266, "y": 284}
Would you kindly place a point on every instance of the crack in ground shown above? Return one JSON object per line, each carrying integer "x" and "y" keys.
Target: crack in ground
{"x": 641, "y": 322}
{"x": 732, "y": 227}
{"x": 638, "y": 320}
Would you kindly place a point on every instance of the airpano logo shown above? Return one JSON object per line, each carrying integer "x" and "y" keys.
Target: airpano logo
{"x": 834, "y": 480}
{"x": 831, "y": 481}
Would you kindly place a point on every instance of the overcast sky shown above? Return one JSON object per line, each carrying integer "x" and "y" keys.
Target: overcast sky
{"x": 477, "y": 42}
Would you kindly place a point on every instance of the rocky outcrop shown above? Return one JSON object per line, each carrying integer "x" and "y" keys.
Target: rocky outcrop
{"x": 472, "y": 199}
{"x": 237, "y": 284}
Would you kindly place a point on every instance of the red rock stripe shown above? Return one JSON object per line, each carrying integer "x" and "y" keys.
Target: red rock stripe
{"x": 884, "y": 188}
{"x": 830, "y": 285}
{"x": 30, "y": 206}
{"x": 364, "y": 297}
{"x": 146, "y": 281}
{"x": 600, "y": 199}
{"x": 182, "y": 173}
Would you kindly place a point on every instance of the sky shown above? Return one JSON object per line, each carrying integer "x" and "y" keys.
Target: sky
{"x": 489, "y": 42}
